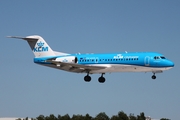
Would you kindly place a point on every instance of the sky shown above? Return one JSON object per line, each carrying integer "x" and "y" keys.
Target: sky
{"x": 101, "y": 26}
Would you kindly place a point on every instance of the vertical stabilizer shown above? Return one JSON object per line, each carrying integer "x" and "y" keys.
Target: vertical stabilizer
{"x": 39, "y": 46}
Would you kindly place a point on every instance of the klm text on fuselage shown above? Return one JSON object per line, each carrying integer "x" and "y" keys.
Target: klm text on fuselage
{"x": 40, "y": 49}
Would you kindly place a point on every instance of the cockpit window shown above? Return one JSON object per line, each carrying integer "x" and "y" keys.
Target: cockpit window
{"x": 156, "y": 57}
{"x": 159, "y": 57}
{"x": 162, "y": 57}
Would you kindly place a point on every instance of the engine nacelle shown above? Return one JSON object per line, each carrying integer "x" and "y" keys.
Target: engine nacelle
{"x": 67, "y": 59}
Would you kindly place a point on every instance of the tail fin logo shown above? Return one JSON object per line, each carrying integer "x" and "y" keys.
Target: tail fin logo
{"x": 40, "y": 47}
{"x": 40, "y": 44}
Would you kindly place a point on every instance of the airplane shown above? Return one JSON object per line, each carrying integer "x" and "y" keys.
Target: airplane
{"x": 96, "y": 63}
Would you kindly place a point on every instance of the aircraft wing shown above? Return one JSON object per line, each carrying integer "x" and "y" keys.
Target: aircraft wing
{"x": 74, "y": 67}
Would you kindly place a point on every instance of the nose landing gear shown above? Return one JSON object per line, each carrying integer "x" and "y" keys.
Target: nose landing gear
{"x": 154, "y": 76}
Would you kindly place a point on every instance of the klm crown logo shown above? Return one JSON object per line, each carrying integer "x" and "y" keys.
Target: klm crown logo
{"x": 40, "y": 47}
{"x": 40, "y": 44}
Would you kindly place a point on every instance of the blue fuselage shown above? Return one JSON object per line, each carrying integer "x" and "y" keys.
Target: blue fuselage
{"x": 139, "y": 59}
{"x": 116, "y": 62}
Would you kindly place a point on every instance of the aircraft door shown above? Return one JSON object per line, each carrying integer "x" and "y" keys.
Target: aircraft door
{"x": 96, "y": 60}
{"x": 147, "y": 61}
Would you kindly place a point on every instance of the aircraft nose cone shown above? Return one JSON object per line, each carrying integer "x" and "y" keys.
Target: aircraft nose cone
{"x": 170, "y": 64}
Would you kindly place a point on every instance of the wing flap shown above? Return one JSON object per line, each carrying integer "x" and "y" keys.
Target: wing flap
{"x": 75, "y": 66}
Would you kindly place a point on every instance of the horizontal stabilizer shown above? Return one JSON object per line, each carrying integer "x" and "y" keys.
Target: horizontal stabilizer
{"x": 24, "y": 38}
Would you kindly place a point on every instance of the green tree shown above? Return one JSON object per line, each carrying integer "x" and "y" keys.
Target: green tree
{"x": 122, "y": 116}
{"x": 77, "y": 117}
{"x": 50, "y": 117}
{"x": 26, "y": 118}
{"x": 65, "y": 117}
{"x": 18, "y": 119}
{"x": 59, "y": 117}
{"x": 141, "y": 116}
{"x": 87, "y": 117}
{"x": 40, "y": 117}
{"x": 132, "y": 117}
{"x": 164, "y": 119}
{"x": 114, "y": 117}
{"x": 102, "y": 116}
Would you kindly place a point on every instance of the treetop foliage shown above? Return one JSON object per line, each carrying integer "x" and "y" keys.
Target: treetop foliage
{"x": 101, "y": 116}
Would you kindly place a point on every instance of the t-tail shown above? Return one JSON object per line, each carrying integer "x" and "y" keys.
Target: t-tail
{"x": 39, "y": 46}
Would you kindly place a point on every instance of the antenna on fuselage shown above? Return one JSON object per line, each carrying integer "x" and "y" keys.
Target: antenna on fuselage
{"x": 126, "y": 52}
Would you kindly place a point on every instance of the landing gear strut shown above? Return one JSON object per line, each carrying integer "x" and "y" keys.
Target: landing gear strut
{"x": 87, "y": 78}
{"x": 154, "y": 76}
{"x": 101, "y": 79}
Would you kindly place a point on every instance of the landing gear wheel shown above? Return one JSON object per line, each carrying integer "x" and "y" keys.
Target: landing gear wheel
{"x": 101, "y": 79}
{"x": 87, "y": 78}
{"x": 153, "y": 77}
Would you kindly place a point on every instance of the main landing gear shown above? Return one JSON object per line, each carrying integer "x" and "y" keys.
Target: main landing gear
{"x": 87, "y": 78}
{"x": 101, "y": 79}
